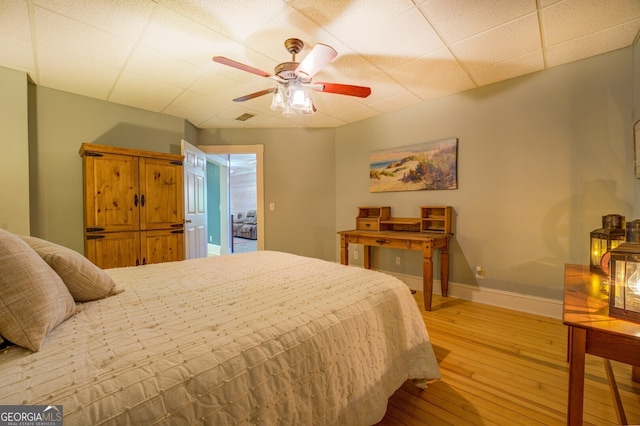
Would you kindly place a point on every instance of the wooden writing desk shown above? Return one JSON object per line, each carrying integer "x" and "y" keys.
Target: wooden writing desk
{"x": 593, "y": 331}
{"x": 426, "y": 242}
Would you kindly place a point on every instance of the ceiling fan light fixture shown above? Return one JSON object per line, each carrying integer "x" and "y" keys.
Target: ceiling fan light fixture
{"x": 288, "y": 111}
{"x": 278, "y": 99}
{"x": 299, "y": 98}
{"x": 292, "y": 99}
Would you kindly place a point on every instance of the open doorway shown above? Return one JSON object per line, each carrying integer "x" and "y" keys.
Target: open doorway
{"x": 243, "y": 202}
{"x": 235, "y": 218}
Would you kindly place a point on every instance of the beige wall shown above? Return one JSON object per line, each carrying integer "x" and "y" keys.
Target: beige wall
{"x": 541, "y": 159}
{"x": 299, "y": 177}
{"x": 14, "y": 145}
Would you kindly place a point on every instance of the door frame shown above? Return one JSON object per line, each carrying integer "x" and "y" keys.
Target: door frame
{"x": 258, "y": 150}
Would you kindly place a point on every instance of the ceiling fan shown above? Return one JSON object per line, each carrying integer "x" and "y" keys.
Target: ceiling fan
{"x": 293, "y": 79}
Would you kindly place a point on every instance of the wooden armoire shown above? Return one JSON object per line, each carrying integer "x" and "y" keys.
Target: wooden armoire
{"x": 133, "y": 206}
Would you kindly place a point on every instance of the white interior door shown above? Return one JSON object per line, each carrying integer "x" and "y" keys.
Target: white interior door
{"x": 195, "y": 201}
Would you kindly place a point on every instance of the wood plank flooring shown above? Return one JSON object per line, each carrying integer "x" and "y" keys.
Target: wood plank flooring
{"x": 503, "y": 367}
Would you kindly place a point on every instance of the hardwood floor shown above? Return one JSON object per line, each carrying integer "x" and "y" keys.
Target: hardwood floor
{"x": 503, "y": 367}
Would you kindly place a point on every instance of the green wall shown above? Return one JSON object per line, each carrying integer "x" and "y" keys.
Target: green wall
{"x": 62, "y": 122}
{"x": 213, "y": 203}
{"x": 14, "y": 145}
{"x": 541, "y": 158}
{"x": 299, "y": 178}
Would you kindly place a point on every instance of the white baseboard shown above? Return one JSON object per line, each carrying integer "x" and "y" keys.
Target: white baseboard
{"x": 504, "y": 299}
{"x": 213, "y": 250}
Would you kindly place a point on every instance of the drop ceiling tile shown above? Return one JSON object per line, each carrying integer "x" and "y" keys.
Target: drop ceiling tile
{"x": 592, "y": 44}
{"x": 546, "y": 3}
{"x": 237, "y": 110}
{"x": 269, "y": 41}
{"x": 150, "y": 63}
{"x": 400, "y": 40}
{"x": 275, "y": 122}
{"x": 456, "y": 20}
{"x": 144, "y": 93}
{"x": 14, "y": 19}
{"x": 512, "y": 40}
{"x": 245, "y": 56}
{"x": 348, "y": 68}
{"x": 214, "y": 83}
{"x": 181, "y": 37}
{"x": 382, "y": 87}
{"x": 571, "y": 19}
{"x": 334, "y": 104}
{"x": 522, "y": 65}
{"x": 433, "y": 75}
{"x": 348, "y": 20}
{"x": 238, "y": 19}
{"x": 358, "y": 114}
{"x": 324, "y": 121}
{"x": 209, "y": 105}
{"x": 396, "y": 102}
{"x": 66, "y": 35}
{"x": 195, "y": 117}
{"x": 17, "y": 54}
{"x": 222, "y": 123}
{"x": 124, "y": 18}
{"x": 62, "y": 71}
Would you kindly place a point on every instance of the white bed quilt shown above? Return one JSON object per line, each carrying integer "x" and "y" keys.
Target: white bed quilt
{"x": 262, "y": 338}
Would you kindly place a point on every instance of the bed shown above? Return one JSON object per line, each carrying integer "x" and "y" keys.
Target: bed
{"x": 259, "y": 338}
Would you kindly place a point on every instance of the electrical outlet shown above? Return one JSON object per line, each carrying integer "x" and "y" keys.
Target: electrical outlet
{"x": 355, "y": 254}
{"x": 479, "y": 272}
{"x": 398, "y": 260}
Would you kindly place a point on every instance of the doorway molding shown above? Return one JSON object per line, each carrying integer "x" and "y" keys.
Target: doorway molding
{"x": 258, "y": 150}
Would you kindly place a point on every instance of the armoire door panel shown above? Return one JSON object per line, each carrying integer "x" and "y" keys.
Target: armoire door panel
{"x": 111, "y": 193}
{"x": 114, "y": 249}
{"x": 162, "y": 246}
{"x": 161, "y": 189}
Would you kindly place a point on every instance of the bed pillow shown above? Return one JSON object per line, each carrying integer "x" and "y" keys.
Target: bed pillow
{"x": 84, "y": 280}
{"x": 33, "y": 298}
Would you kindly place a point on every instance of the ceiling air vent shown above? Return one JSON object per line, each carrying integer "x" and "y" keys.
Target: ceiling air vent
{"x": 245, "y": 116}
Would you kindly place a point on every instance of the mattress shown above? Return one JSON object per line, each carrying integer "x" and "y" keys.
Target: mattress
{"x": 260, "y": 338}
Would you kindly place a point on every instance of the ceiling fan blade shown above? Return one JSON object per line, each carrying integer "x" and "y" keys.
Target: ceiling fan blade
{"x": 238, "y": 65}
{"x": 320, "y": 55}
{"x": 342, "y": 89}
{"x": 254, "y": 95}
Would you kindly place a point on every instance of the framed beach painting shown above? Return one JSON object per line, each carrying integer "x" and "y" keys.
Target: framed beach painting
{"x": 423, "y": 167}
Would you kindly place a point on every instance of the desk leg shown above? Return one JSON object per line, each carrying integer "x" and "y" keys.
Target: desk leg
{"x": 427, "y": 277}
{"x": 367, "y": 257}
{"x": 444, "y": 269}
{"x": 344, "y": 250}
{"x": 576, "y": 375}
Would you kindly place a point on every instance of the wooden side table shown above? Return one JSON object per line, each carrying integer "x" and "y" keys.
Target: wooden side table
{"x": 425, "y": 242}
{"x": 593, "y": 331}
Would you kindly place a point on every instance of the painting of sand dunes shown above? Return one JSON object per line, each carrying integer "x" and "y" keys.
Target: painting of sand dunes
{"x": 423, "y": 167}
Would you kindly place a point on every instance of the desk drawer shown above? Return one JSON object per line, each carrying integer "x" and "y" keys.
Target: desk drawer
{"x": 381, "y": 241}
{"x": 367, "y": 224}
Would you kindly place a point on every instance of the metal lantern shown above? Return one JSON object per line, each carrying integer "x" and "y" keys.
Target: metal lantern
{"x": 606, "y": 238}
{"x": 624, "y": 290}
